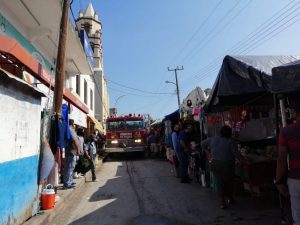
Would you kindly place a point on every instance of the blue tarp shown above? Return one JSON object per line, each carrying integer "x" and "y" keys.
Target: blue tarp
{"x": 173, "y": 116}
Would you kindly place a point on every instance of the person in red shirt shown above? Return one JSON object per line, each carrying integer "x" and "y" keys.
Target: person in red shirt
{"x": 289, "y": 147}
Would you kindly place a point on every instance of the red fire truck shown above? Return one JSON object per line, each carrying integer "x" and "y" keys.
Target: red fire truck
{"x": 126, "y": 134}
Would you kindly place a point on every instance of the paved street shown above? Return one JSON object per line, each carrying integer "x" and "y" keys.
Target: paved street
{"x": 145, "y": 192}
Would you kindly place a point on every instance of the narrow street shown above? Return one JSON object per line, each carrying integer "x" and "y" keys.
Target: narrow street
{"x": 146, "y": 192}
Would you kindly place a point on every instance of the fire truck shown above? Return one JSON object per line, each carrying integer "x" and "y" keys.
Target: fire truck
{"x": 126, "y": 134}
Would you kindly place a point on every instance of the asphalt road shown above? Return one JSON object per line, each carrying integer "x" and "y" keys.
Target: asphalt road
{"x": 146, "y": 192}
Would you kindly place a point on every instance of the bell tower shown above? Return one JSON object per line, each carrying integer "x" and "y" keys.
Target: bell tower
{"x": 89, "y": 21}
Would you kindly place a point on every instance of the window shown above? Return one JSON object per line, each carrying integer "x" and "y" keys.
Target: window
{"x": 125, "y": 125}
{"x": 91, "y": 99}
{"x": 87, "y": 27}
{"x": 78, "y": 84}
{"x": 85, "y": 92}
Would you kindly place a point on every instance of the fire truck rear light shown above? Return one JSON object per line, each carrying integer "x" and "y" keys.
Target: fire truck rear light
{"x": 138, "y": 141}
{"x": 114, "y": 142}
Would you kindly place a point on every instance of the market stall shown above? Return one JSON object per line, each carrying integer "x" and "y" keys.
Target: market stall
{"x": 285, "y": 86}
{"x": 241, "y": 98}
{"x": 286, "y": 78}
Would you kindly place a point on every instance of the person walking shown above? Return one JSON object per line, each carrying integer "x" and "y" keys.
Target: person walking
{"x": 222, "y": 151}
{"x": 289, "y": 147}
{"x": 175, "y": 143}
{"x": 153, "y": 141}
{"x": 77, "y": 170}
{"x": 184, "y": 148}
{"x": 72, "y": 150}
{"x": 90, "y": 152}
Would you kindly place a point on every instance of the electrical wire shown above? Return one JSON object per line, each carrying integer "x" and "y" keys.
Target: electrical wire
{"x": 198, "y": 29}
{"x": 266, "y": 25}
{"x": 256, "y": 46}
{"x": 144, "y": 106}
{"x": 256, "y": 32}
{"x": 263, "y": 39}
{"x": 215, "y": 27}
{"x": 135, "y": 89}
{"x": 210, "y": 38}
{"x": 134, "y": 94}
{"x": 271, "y": 32}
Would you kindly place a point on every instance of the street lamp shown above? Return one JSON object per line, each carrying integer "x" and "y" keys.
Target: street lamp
{"x": 177, "y": 90}
{"x": 118, "y": 99}
{"x": 169, "y": 82}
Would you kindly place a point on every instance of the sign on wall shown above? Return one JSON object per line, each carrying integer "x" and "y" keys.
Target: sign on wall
{"x": 78, "y": 116}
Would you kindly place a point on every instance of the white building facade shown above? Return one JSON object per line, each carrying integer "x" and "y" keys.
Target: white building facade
{"x": 29, "y": 32}
{"x": 89, "y": 21}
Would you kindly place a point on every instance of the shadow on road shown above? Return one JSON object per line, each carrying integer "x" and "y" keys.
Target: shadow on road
{"x": 157, "y": 198}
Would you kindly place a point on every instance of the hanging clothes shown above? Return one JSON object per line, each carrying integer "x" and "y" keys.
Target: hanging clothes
{"x": 60, "y": 132}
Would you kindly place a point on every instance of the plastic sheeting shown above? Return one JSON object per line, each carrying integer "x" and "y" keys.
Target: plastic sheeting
{"x": 286, "y": 78}
{"x": 47, "y": 161}
{"x": 174, "y": 116}
{"x": 245, "y": 80}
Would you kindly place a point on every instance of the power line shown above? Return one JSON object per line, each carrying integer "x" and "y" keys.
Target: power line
{"x": 146, "y": 106}
{"x": 177, "y": 87}
{"x": 215, "y": 27}
{"x": 257, "y": 45}
{"x": 135, "y": 89}
{"x": 191, "y": 38}
{"x": 262, "y": 28}
{"x": 210, "y": 38}
{"x": 240, "y": 45}
{"x": 198, "y": 29}
{"x": 134, "y": 94}
{"x": 243, "y": 43}
{"x": 254, "y": 44}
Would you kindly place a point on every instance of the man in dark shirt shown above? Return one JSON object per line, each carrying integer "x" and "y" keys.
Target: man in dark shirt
{"x": 183, "y": 150}
{"x": 289, "y": 146}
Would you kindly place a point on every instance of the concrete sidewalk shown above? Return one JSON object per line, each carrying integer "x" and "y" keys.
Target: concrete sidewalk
{"x": 46, "y": 216}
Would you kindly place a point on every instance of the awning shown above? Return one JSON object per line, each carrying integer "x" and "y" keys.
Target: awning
{"x": 173, "y": 116}
{"x": 14, "y": 49}
{"x": 97, "y": 124}
{"x": 286, "y": 78}
{"x": 11, "y": 80}
{"x": 244, "y": 79}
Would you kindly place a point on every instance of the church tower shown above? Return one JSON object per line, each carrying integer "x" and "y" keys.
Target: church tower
{"x": 89, "y": 21}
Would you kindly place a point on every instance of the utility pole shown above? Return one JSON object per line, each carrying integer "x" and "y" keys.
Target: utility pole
{"x": 177, "y": 88}
{"x": 59, "y": 84}
{"x": 60, "y": 60}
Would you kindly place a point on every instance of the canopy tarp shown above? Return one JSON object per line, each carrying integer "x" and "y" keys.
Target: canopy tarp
{"x": 172, "y": 116}
{"x": 244, "y": 80}
{"x": 286, "y": 78}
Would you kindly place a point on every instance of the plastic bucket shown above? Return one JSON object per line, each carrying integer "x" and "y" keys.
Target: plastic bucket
{"x": 48, "y": 197}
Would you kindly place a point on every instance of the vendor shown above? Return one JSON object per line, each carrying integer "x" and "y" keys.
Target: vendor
{"x": 289, "y": 145}
{"x": 222, "y": 151}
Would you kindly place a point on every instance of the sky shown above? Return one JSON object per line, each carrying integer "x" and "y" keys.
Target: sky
{"x": 142, "y": 38}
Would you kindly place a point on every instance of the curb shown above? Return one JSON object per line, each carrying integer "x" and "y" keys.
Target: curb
{"x": 46, "y": 216}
